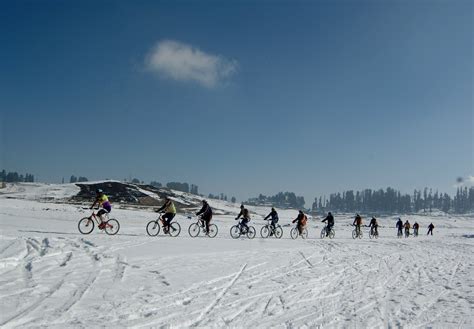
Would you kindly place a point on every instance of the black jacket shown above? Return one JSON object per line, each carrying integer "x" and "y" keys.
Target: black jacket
{"x": 273, "y": 214}
{"x": 206, "y": 212}
{"x": 329, "y": 219}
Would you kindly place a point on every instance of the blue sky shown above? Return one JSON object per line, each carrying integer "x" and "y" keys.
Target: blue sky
{"x": 240, "y": 97}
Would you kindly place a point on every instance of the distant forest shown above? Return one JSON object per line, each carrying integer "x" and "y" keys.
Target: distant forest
{"x": 365, "y": 201}
{"x": 11, "y": 177}
{"x": 392, "y": 201}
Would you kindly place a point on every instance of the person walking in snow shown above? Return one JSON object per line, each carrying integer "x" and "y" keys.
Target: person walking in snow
{"x": 399, "y": 226}
{"x": 430, "y": 229}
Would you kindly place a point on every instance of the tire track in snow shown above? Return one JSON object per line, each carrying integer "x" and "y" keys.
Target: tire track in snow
{"x": 213, "y": 304}
{"x": 11, "y": 320}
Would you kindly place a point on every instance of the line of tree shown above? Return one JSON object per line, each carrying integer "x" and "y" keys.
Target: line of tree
{"x": 79, "y": 179}
{"x": 220, "y": 196}
{"x": 281, "y": 200}
{"x": 183, "y": 187}
{"x": 392, "y": 201}
{"x": 14, "y": 177}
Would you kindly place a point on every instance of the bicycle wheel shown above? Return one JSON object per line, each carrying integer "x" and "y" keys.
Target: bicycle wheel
{"x": 194, "y": 230}
{"x": 371, "y": 234}
{"x": 294, "y": 233}
{"x": 174, "y": 229}
{"x": 251, "y": 232}
{"x": 212, "y": 230}
{"x": 354, "y": 234}
{"x": 304, "y": 234}
{"x": 323, "y": 233}
{"x": 265, "y": 231}
{"x": 360, "y": 235}
{"x": 85, "y": 225}
{"x": 153, "y": 228}
{"x": 332, "y": 233}
{"x": 112, "y": 226}
{"x": 235, "y": 231}
{"x": 278, "y": 232}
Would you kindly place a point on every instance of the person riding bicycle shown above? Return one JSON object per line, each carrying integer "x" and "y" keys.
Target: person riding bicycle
{"x": 206, "y": 215}
{"x": 274, "y": 215}
{"x": 374, "y": 225}
{"x": 170, "y": 211}
{"x": 102, "y": 201}
{"x": 430, "y": 229}
{"x": 399, "y": 226}
{"x": 244, "y": 213}
{"x": 416, "y": 226}
{"x": 301, "y": 221}
{"x": 357, "y": 223}
{"x": 407, "y": 227}
{"x": 330, "y": 222}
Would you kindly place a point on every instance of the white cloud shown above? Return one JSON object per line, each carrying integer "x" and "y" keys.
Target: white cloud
{"x": 179, "y": 61}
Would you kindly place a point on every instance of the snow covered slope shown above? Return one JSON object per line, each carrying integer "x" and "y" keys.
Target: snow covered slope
{"x": 52, "y": 276}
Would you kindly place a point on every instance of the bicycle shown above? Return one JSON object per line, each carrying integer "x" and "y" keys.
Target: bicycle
{"x": 407, "y": 233}
{"x": 237, "y": 230}
{"x": 373, "y": 233}
{"x": 269, "y": 230}
{"x": 357, "y": 233}
{"x": 200, "y": 226}
{"x": 295, "y": 232}
{"x": 153, "y": 227}
{"x": 325, "y": 233}
{"x": 110, "y": 226}
{"x": 399, "y": 234}
{"x": 415, "y": 233}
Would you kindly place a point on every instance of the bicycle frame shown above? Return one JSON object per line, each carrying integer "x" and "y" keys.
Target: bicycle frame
{"x": 94, "y": 216}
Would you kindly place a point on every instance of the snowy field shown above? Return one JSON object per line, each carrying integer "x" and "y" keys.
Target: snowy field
{"x": 52, "y": 276}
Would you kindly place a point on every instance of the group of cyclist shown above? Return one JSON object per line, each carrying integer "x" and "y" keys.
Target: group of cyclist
{"x": 205, "y": 214}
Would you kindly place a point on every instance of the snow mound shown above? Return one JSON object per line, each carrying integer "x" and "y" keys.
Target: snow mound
{"x": 39, "y": 191}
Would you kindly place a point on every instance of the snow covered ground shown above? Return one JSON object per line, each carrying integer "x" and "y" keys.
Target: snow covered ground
{"x": 52, "y": 276}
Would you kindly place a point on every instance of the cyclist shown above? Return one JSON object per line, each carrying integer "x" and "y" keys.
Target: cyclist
{"x": 274, "y": 215}
{"x": 357, "y": 223}
{"x": 407, "y": 228}
{"x": 374, "y": 225}
{"x": 416, "y": 226}
{"x": 399, "y": 226}
{"x": 170, "y": 211}
{"x": 206, "y": 215}
{"x": 244, "y": 213}
{"x": 430, "y": 229}
{"x": 102, "y": 201}
{"x": 330, "y": 219}
{"x": 301, "y": 220}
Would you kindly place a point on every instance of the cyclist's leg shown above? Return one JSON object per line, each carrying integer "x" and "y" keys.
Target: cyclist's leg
{"x": 207, "y": 221}
{"x": 243, "y": 224}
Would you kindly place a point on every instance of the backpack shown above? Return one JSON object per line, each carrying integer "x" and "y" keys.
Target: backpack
{"x": 304, "y": 220}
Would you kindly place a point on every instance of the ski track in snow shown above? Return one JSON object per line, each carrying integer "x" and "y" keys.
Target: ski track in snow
{"x": 51, "y": 276}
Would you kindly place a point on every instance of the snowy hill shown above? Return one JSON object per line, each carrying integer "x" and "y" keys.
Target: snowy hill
{"x": 52, "y": 276}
